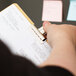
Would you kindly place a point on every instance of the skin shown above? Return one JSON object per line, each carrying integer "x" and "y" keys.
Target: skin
{"x": 62, "y": 39}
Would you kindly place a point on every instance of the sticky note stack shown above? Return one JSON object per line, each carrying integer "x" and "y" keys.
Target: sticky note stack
{"x": 52, "y": 10}
{"x": 72, "y": 11}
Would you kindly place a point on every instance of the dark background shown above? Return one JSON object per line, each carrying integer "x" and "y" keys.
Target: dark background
{"x": 33, "y": 8}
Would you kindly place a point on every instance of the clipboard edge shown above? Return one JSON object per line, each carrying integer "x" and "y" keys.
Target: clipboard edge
{"x": 33, "y": 26}
{"x": 20, "y": 9}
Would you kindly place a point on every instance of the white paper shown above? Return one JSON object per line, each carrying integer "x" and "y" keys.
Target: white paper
{"x": 16, "y": 33}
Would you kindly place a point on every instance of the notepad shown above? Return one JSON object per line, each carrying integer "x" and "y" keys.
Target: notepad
{"x": 72, "y": 11}
{"x": 52, "y": 10}
{"x": 19, "y": 33}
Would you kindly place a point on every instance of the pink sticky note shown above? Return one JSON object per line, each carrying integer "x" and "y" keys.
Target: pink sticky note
{"x": 52, "y": 10}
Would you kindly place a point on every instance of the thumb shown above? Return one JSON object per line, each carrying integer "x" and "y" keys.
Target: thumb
{"x": 46, "y": 25}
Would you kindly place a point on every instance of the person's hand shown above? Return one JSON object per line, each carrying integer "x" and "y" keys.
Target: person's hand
{"x": 62, "y": 39}
{"x": 59, "y": 33}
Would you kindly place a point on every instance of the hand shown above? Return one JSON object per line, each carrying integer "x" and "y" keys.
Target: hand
{"x": 59, "y": 33}
{"x": 62, "y": 39}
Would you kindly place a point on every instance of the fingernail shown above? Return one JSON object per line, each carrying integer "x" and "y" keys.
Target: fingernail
{"x": 46, "y": 23}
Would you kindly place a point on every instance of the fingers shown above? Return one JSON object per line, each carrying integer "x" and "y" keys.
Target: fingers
{"x": 46, "y": 26}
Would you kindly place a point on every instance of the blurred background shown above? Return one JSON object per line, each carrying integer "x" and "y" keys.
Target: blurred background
{"x": 33, "y": 9}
